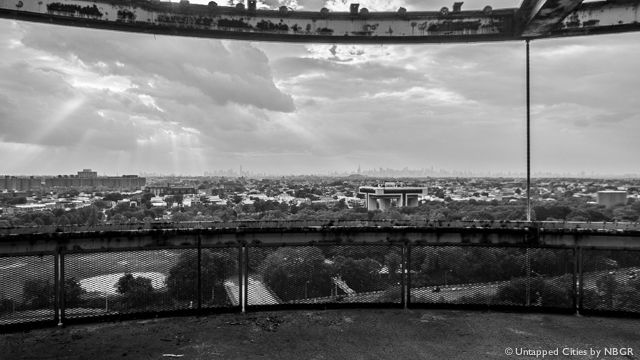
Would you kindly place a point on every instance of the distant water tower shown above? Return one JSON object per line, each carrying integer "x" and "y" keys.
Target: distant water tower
{"x": 611, "y": 198}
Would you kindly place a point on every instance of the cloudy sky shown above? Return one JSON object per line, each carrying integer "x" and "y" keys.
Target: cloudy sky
{"x": 130, "y": 103}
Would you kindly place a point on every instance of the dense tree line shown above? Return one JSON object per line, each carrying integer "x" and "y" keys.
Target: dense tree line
{"x": 361, "y": 275}
{"x": 461, "y": 265}
{"x": 296, "y": 273}
{"x": 88, "y": 215}
{"x": 40, "y": 293}
{"x": 565, "y": 209}
{"x": 217, "y": 266}
{"x": 308, "y": 272}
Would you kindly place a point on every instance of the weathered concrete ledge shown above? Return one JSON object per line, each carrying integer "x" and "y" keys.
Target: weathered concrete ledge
{"x": 179, "y": 235}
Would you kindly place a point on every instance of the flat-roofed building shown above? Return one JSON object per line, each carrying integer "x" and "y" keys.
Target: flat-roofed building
{"x": 161, "y": 190}
{"x": 391, "y": 194}
{"x": 85, "y": 180}
{"x": 611, "y": 198}
{"x": 87, "y": 174}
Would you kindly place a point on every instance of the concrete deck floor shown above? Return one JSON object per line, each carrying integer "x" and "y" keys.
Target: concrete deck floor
{"x": 336, "y": 334}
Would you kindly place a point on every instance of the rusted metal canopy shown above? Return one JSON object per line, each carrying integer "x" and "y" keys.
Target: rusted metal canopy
{"x": 534, "y": 19}
{"x": 540, "y": 17}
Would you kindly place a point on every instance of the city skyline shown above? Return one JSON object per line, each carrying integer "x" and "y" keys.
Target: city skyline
{"x": 378, "y": 172}
{"x": 144, "y": 104}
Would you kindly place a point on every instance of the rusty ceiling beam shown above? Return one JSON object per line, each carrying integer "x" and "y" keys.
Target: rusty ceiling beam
{"x": 602, "y": 17}
{"x": 536, "y": 18}
{"x": 357, "y": 26}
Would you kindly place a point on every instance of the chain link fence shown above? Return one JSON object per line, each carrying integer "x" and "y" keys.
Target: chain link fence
{"x": 27, "y": 289}
{"x": 342, "y": 274}
{"x": 492, "y": 276}
{"x": 91, "y": 285}
{"x": 610, "y": 281}
{"x": 220, "y": 278}
{"x": 150, "y": 281}
{"x": 109, "y": 283}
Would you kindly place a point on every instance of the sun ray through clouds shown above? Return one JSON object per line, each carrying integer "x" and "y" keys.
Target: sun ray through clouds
{"x": 58, "y": 117}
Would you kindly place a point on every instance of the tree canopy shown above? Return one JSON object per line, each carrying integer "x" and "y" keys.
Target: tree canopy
{"x": 38, "y": 293}
{"x": 361, "y": 275}
{"x": 297, "y": 272}
{"x": 217, "y": 266}
{"x": 137, "y": 291}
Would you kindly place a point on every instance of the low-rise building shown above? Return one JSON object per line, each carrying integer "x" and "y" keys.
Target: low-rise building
{"x": 391, "y": 194}
{"x": 162, "y": 190}
{"x": 611, "y": 198}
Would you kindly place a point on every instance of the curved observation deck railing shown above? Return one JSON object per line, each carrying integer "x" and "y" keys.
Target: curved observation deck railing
{"x": 571, "y": 226}
{"x": 77, "y": 274}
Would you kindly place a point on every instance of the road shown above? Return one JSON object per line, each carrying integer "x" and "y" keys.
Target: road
{"x": 259, "y": 294}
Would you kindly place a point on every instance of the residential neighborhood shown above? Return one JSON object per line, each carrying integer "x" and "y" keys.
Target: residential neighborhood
{"x": 211, "y": 198}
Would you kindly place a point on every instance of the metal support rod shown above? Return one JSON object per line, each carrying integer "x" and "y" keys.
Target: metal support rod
{"x": 246, "y": 279}
{"x": 199, "y": 264}
{"x": 407, "y": 292}
{"x": 580, "y": 279}
{"x": 56, "y": 286}
{"x": 528, "y": 138}
{"x": 403, "y": 269}
{"x": 528, "y": 270}
{"x": 61, "y": 288}
{"x": 574, "y": 288}
{"x": 241, "y": 276}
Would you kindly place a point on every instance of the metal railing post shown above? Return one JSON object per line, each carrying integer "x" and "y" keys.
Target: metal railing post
{"x": 245, "y": 304}
{"x": 528, "y": 270}
{"x": 574, "y": 288}
{"x": 580, "y": 279}
{"x": 403, "y": 268}
{"x": 199, "y": 242}
{"x": 62, "y": 294}
{"x": 407, "y": 279}
{"x": 241, "y": 264}
{"x": 56, "y": 287}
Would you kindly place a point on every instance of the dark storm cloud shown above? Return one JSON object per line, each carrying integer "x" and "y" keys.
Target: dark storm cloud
{"x": 236, "y": 72}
